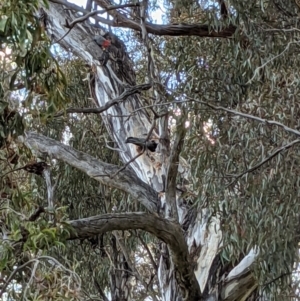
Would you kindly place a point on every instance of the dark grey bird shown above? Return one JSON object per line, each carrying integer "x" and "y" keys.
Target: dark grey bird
{"x": 102, "y": 42}
{"x": 142, "y": 143}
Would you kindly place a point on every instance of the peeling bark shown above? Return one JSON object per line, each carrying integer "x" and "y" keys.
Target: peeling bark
{"x": 147, "y": 176}
{"x": 236, "y": 285}
{"x": 125, "y": 180}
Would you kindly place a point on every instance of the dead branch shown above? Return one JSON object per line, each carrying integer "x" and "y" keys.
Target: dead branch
{"x": 96, "y": 12}
{"x": 125, "y": 180}
{"x": 183, "y": 29}
{"x": 128, "y": 92}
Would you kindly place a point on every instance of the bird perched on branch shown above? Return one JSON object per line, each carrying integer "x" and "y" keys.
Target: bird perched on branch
{"x": 105, "y": 46}
{"x": 142, "y": 144}
{"x": 102, "y": 42}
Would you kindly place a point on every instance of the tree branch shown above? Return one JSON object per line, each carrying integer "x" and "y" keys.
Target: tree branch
{"x": 88, "y": 15}
{"x": 125, "y": 180}
{"x": 287, "y": 146}
{"x": 173, "y": 166}
{"x": 127, "y": 163}
{"x": 10, "y": 278}
{"x": 131, "y": 265}
{"x": 98, "y": 286}
{"x": 265, "y": 121}
{"x": 201, "y": 30}
{"x": 96, "y": 12}
{"x": 48, "y": 259}
{"x": 128, "y": 92}
{"x": 165, "y": 230}
{"x": 240, "y": 281}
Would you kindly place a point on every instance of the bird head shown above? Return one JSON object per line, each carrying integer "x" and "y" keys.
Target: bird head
{"x": 106, "y": 43}
{"x": 101, "y": 41}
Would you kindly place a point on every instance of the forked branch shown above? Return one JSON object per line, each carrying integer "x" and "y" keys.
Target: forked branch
{"x": 167, "y": 231}
{"x": 125, "y": 180}
{"x": 200, "y": 30}
{"x": 128, "y": 92}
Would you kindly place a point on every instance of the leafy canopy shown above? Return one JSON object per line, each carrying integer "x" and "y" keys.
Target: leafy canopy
{"x": 255, "y": 72}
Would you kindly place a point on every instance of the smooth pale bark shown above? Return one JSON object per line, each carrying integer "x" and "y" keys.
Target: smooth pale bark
{"x": 237, "y": 284}
{"x": 169, "y": 232}
{"x": 126, "y": 180}
{"x": 105, "y": 173}
{"x": 203, "y": 234}
{"x": 107, "y": 86}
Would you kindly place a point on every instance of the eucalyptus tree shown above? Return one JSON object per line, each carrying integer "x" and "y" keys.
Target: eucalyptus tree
{"x": 204, "y": 205}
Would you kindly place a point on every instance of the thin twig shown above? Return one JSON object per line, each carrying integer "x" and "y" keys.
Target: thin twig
{"x": 13, "y": 170}
{"x": 148, "y": 251}
{"x": 35, "y": 260}
{"x": 275, "y": 279}
{"x": 131, "y": 265}
{"x": 270, "y": 60}
{"x": 150, "y": 67}
{"x": 265, "y": 121}
{"x": 102, "y": 11}
{"x": 60, "y": 39}
{"x": 98, "y": 286}
{"x": 265, "y": 160}
{"x": 127, "y": 163}
{"x": 138, "y": 155}
{"x": 88, "y": 15}
{"x": 21, "y": 267}
{"x": 31, "y": 277}
{"x": 113, "y": 148}
{"x": 151, "y": 130}
{"x": 128, "y": 92}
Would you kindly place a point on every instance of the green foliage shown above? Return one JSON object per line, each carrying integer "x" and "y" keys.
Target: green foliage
{"x": 11, "y": 124}
{"x": 32, "y": 66}
{"x": 16, "y": 19}
{"x": 255, "y": 72}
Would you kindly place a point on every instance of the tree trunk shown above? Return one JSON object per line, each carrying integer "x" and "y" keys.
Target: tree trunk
{"x": 189, "y": 267}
